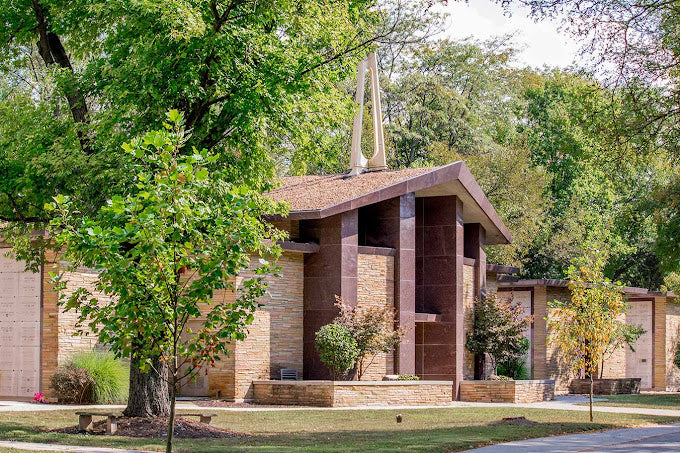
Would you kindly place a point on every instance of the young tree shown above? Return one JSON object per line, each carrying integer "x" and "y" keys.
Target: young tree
{"x": 584, "y": 327}
{"x": 373, "y": 331}
{"x": 498, "y": 329}
{"x": 180, "y": 234}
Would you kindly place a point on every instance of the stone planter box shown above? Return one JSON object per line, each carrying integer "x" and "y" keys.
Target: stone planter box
{"x": 606, "y": 386}
{"x": 353, "y": 393}
{"x": 525, "y": 391}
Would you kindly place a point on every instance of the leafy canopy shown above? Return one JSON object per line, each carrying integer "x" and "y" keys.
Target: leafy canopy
{"x": 164, "y": 249}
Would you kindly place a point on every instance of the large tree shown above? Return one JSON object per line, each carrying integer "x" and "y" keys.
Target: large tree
{"x": 80, "y": 77}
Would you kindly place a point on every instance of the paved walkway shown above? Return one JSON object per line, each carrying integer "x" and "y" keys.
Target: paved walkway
{"x": 567, "y": 402}
{"x": 660, "y": 439}
{"x": 30, "y": 446}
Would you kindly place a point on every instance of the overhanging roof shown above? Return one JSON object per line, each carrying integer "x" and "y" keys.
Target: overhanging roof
{"x": 315, "y": 197}
{"x": 509, "y": 281}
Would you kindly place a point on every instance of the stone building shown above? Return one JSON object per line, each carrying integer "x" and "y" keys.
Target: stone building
{"x": 412, "y": 239}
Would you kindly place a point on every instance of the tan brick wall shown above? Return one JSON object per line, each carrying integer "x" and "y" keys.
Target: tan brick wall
{"x": 274, "y": 339}
{"x": 507, "y": 391}
{"x": 49, "y": 358}
{"x": 672, "y": 331}
{"x": 468, "y": 310}
{"x": 659, "y": 373}
{"x": 352, "y": 393}
{"x": 70, "y": 342}
{"x": 375, "y": 287}
{"x": 555, "y": 367}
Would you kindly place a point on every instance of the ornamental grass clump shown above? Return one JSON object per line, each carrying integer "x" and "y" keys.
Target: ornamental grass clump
{"x": 110, "y": 376}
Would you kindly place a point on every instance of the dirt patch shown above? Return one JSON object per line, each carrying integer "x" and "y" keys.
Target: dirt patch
{"x": 519, "y": 421}
{"x": 185, "y": 428}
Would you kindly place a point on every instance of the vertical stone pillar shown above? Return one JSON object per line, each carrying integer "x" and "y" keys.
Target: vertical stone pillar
{"x": 392, "y": 223}
{"x": 475, "y": 238}
{"x": 329, "y": 272}
{"x": 539, "y": 368}
{"x": 439, "y": 288}
{"x": 659, "y": 344}
{"x": 405, "y": 284}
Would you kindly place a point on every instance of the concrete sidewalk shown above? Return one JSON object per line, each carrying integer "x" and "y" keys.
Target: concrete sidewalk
{"x": 30, "y": 446}
{"x": 567, "y": 402}
{"x": 662, "y": 439}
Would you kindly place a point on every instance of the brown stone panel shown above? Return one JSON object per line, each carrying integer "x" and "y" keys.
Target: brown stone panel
{"x": 329, "y": 272}
{"x": 439, "y": 286}
{"x": 391, "y": 223}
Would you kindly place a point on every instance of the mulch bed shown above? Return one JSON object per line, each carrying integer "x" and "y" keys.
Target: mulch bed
{"x": 520, "y": 421}
{"x": 185, "y": 428}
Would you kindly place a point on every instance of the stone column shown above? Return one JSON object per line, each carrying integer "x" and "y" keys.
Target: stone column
{"x": 439, "y": 287}
{"x": 329, "y": 272}
{"x": 392, "y": 223}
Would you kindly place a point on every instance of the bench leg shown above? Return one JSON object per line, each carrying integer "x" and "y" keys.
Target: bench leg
{"x": 111, "y": 426}
{"x": 85, "y": 422}
{"x": 206, "y": 420}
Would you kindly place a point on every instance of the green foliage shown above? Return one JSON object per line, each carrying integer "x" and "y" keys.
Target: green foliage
{"x": 408, "y": 377}
{"x": 676, "y": 356}
{"x": 498, "y": 330}
{"x": 109, "y": 376}
{"x": 179, "y": 234}
{"x": 372, "y": 327}
{"x": 337, "y": 348}
{"x": 516, "y": 367}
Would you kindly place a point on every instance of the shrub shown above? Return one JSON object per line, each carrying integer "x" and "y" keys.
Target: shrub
{"x": 498, "y": 330}
{"x": 110, "y": 377}
{"x": 408, "y": 377}
{"x": 676, "y": 358}
{"x": 337, "y": 349}
{"x": 72, "y": 384}
{"x": 516, "y": 367}
{"x": 92, "y": 377}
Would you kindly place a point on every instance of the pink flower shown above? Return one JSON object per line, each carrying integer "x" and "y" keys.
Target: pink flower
{"x": 39, "y": 397}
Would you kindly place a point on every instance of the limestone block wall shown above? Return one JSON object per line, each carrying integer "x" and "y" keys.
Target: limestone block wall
{"x": 376, "y": 288}
{"x": 353, "y": 393}
{"x": 274, "y": 339}
{"x": 528, "y": 391}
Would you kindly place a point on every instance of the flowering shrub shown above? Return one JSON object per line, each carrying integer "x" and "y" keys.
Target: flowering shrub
{"x": 38, "y": 397}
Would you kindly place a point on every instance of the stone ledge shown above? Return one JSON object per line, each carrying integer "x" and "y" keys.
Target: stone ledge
{"x": 349, "y": 383}
{"x": 523, "y": 391}
{"x": 353, "y": 393}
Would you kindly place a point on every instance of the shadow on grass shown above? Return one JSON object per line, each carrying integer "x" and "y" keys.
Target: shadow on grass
{"x": 398, "y": 439}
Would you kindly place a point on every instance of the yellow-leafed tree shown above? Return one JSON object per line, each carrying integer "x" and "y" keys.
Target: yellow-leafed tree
{"x": 582, "y": 328}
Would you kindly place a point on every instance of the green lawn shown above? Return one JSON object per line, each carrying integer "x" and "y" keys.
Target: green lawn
{"x": 656, "y": 401}
{"x": 427, "y": 430}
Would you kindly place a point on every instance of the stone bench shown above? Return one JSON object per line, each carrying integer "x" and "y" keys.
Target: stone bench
{"x": 85, "y": 421}
{"x": 204, "y": 418}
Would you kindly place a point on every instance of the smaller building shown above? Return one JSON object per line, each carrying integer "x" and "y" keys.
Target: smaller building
{"x": 652, "y": 358}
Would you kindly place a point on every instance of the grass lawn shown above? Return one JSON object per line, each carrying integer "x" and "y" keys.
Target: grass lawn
{"x": 651, "y": 400}
{"x": 427, "y": 430}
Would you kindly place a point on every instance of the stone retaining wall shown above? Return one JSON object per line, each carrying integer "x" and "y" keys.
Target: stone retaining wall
{"x": 624, "y": 386}
{"x": 353, "y": 393}
{"x": 525, "y": 391}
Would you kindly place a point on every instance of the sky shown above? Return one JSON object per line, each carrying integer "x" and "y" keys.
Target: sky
{"x": 542, "y": 42}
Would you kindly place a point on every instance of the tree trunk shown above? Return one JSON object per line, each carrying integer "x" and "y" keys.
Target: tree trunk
{"x": 149, "y": 394}
{"x": 171, "y": 419}
{"x": 480, "y": 362}
{"x": 591, "y": 397}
